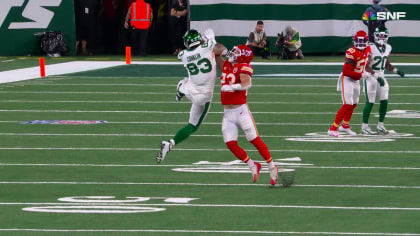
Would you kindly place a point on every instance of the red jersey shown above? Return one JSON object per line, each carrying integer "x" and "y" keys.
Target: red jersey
{"x": 231, "y": 75}
{"x": 360, "y": 59}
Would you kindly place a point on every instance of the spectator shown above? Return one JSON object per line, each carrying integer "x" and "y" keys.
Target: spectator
{"x": 372, "y": 24}
{"x": 257, "y": 41}
{"x": 178, "y": 24}
{"x": 290, "y": 39}
{"x": 110, "y": 18}
{"x": 86, "y": 15}
{"x": 140, "y": 15}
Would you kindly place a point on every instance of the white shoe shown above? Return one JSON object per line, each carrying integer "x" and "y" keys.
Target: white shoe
{"x": 255, "y": 171}
{"x": 348, "y": 131}
{"x": 274, "y": 175}
{"x": 165, "y": 147}
{"x": 333, "y": 133}
{"x": 382, "y": 130}
{"x": 367, "y": 131}
{"x": 179, "y": 95}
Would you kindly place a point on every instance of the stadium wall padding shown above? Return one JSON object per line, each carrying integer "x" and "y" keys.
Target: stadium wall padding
{"x": 325, "y": 26}
{"x": 17, "y": 26}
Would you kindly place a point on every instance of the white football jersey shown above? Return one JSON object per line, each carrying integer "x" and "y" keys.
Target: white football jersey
{"x": 200, "y": 63}
{"x": 379, "y": 56}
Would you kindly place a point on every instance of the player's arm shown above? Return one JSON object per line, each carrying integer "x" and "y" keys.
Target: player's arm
{"x": 244, "y": 85}
{"x": 219, "y": 51}
{"x": 348, "y": 70}
{"x": 390, "y": 67}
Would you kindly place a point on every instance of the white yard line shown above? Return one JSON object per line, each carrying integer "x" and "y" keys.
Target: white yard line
{"x": 174, "y": 85}
{"x": 170, "y": 112}
{"x": 222, "y": 232}
{"x": 217, "y": 123}
{"x": 171, "y": 93}
{"x": 197, "y": 135}
{"x": 192, "y": 166}
{"x": 201, "y": 150}
{"x": 185, "y": 102}
{"x": 202, "y": 184}
{"x": 232, "y": 206}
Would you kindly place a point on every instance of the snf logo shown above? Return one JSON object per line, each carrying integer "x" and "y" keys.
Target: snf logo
{"x": 384, "y": 15}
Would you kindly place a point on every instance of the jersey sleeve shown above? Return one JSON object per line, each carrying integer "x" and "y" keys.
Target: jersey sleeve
{"x": 247, "y": 69}
{"x": 350, "y": 54}
{"x": 181, "y": 55}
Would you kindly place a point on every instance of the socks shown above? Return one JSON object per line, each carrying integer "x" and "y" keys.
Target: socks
{"x": 383, "y": 107}
{"x": 366, "y": 112}
{"x": 345, "y": 113}
{"x": 184, "y": 133}
{"x": 262, "y": 149}
{"x": 349, "y": 113}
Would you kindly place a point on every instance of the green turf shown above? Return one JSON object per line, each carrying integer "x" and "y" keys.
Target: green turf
{"x": 349, "y": 188}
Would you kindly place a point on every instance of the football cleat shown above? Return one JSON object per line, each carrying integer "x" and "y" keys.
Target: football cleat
{"x": 165, "y": 147}
{"x": 347, "y": 130}
{"x": 367, "y": 131}
{"x": 274, "y": 175}
{"x": 333, "y": 133}
{"x": 382, "y": 130}
{"x": 255, "y": 170}
{"x": 179, "y": 95}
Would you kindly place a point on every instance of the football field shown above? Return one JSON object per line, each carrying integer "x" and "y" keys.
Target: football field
{"x": 77, "y": 157}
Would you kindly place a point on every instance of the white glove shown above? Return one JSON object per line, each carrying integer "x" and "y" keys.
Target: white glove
{"x": 227, "y": 88}
{"x": 366, "y": 75}
{"x": 209, "y": 34}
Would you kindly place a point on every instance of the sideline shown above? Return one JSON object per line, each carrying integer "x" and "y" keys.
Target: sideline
{"x": 80, "y": 66}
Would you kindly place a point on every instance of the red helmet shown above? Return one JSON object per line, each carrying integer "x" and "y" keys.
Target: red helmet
{"x": 360, "y": 40}
{"x": 240, "y": 54}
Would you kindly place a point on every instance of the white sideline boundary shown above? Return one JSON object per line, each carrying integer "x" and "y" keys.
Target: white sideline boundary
{"x": 55, "y": 69}
{"x": 79, "y": 66}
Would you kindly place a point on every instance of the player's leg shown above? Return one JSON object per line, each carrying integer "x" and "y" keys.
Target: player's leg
{"x": 347, "y": 92}
{"x": 197, "y": 115}
{"x": 370, "y": 88}
{"x": 230, "y": 137}
{"x": 247, "y": 124}
{"x": 383, "y": 107}
{"x": 345, "y": 126}
{"x": 180, "y": 90}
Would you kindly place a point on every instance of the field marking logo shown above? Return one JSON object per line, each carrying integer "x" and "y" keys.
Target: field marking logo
{"x": 38, "y": 17}
{"x": 237, "y": 166}
{"x": 106, "y": 205}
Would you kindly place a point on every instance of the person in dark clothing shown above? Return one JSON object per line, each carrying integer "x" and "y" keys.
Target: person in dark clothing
{"x": 86, "y": 15}
{"x": 372, "y": 24}
{"x": 178, "y": 25}
{"x": 110, "y": 18}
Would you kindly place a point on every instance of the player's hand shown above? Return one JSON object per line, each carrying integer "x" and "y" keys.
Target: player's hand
{"x": 381, "y": 81}
{"x": 208, "y": 34}
{"x": 400, "y": 73}
{"x": 227, "y": 88}
{"x": 366, "y": 75}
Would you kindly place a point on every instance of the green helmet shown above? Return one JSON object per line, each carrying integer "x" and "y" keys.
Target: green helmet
{"x": 381, "y": 35}
{"x": 192, "y": 38}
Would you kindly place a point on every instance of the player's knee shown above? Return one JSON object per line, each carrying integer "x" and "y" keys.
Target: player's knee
{"x": 232, "y": 144}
